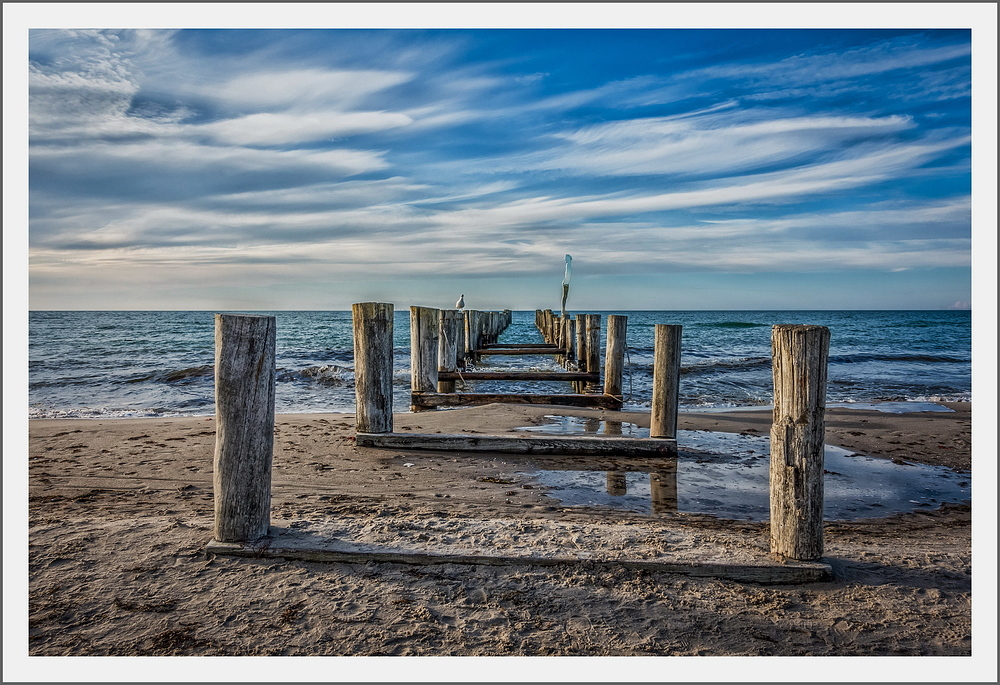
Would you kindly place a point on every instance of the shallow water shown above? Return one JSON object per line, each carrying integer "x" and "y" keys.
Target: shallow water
{"x": 726, "y": 475}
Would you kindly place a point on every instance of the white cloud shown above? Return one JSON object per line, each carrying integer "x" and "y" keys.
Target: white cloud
{"x": 301, "y": 127}
{"x": 301, "y": 88}
{"x": 708, "y": 144}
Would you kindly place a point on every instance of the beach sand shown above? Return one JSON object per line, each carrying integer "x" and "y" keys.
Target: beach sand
{"x": 120, "y": 512}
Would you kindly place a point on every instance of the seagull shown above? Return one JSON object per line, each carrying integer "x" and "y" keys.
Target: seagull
{"x": 461, "y": 302}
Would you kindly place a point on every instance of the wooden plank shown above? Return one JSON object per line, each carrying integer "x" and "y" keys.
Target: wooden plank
{"x": 522, "y": 346}
{"x": 516, "y": 376}
{"x": 517, "y": 351}
{"x": 337, "y": 552}
{"x": 529, "y": 443}
{"x": 799, "y": 360}
{"x": 459, "y": 399}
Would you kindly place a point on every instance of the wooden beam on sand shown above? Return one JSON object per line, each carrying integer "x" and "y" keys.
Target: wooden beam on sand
{"x": 516, "y": 376}
{"x": 459, "y": 399}
{"x": 306, "y": 547}
{"x": 591, "y": 445}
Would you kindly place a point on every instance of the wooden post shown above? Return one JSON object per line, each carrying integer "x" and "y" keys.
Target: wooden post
{"x": 581, "y": 348}
{"x": 373, "y": 366}
{"x": 593, "y": 336}
{"x": 666, "y": 380}
{"x": 451, "y": 323}
{"x": 425, "y": 330}
{"x": 472, "y": 339}
{"x": 799, "y": 356}
{"x": 244, "y": 425}
{"x": 614, "y": 355}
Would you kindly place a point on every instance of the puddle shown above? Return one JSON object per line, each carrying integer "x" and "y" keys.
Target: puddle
{"x": 892, "y": 407}
{"x": 580, "y": 425}
{"x": 727, "y": 474}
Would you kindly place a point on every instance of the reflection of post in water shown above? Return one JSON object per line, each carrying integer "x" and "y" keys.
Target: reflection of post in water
{"x": 612, "y": 427}
{"x": 616, "y": 483}
{"x": 663, "y": 488}
{"x": 591, "y": 425}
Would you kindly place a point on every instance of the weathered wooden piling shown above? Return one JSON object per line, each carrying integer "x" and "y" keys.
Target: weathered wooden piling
{"x": 244, "y": 425}
{"x": 592, "y": 336}
{"x": 473, "y": 338}
{"x": 451, "y": 323}
{"x": 373, "y": 366}
{"x": 614, "y": 355}
{"x": 666, "y": 380}
{"x": 425, "y": 331}
{"x": 799, "y": 357}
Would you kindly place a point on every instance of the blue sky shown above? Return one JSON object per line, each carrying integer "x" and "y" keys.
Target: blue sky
{"x": 682, "y": 169}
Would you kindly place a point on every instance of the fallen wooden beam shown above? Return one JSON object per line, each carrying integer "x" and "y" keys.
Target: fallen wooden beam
{"x": 593, "y": 445}
{"x": 459, "y": 399}
{"x": 518, "y": 376}
{"x": 313, "y": 547}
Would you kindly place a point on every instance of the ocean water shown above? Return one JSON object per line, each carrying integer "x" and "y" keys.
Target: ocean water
{"x": 159, "y": 363}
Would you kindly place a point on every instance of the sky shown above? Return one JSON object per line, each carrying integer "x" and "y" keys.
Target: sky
{"x": 269, "y": 169}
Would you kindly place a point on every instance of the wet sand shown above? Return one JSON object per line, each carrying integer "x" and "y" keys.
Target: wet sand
{"x": 120, "y": 512}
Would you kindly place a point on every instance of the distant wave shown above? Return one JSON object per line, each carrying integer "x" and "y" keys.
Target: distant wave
{"x": 717, "y": 364}
{"x": 925, "y": 358}
{"x": 733, "y": 324}
{"x": 328, "y": 374}
{"x": 174, "y": 375}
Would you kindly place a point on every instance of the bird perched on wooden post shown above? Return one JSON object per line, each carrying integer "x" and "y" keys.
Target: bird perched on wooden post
{"x": 461, "y": 302}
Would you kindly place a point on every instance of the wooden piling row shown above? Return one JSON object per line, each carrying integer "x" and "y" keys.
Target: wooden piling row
{"x": 245, "y": 389}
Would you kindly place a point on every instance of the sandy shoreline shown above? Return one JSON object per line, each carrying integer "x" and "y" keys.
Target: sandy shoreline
{"x": 120, "y": 512}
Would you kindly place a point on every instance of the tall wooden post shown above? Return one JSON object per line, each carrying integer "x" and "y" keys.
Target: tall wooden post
{"x": 666, "y": 380}
{"x": 425, "y": 330}
{"x": 593, "y": 336}
{"x": 614, "y": 355}
{"x": 373, "y": 366}
{"x": 451, "y": 323}
{"x": 581, "y": 349}
{"x": 472, "y": 337}
{"x": 799, "y": 356}
{"x": 244, "y": 425}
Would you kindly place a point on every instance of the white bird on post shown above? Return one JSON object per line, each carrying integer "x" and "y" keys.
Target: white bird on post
{"x": 461, "y": 302}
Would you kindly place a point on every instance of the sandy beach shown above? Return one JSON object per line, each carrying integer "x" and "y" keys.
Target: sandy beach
{"x": 121, "y": 511}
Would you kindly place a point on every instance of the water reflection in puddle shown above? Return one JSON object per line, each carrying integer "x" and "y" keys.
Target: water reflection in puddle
{"x": 726, "y": 475}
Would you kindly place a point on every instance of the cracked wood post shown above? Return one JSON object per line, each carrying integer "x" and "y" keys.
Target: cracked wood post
{"x": 614, "y": 355}
{"x": 451, "y": 323}
{"x": 666, "y": 380}
{"x": 244, "y": 425}
{"x": 373, "y": 366}
{"x": 425, "y": 330}
{"x": 799, "y": 356}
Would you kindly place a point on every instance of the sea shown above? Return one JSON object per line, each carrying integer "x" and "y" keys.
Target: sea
{"x": 123, "y": 364}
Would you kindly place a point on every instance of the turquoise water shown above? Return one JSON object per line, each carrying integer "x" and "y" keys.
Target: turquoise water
{"x": 159, "y": 363}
